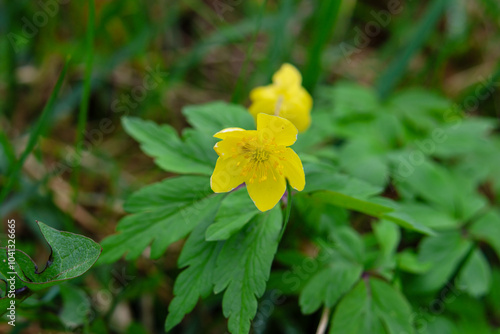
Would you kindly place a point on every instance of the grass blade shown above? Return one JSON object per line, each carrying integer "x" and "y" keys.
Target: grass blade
{"x": 35, "y": 134}
{"x": 84, "y": 105}
{"x": 239, "y": 89}
{"x": 325, "y": 19}
{"x": 389, "y": 79}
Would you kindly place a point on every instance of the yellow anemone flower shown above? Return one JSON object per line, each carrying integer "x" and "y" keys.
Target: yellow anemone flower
{"x": 260, "y": 159}
{"x": 285, "y": 97}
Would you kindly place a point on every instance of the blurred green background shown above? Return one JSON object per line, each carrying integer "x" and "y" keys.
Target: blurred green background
{"x": 150, "y": 59}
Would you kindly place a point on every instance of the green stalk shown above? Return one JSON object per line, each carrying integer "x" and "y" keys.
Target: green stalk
{"x": 84, "y": 105}
{"x": 390, "y": 78}
{"x": 38, "y": 130}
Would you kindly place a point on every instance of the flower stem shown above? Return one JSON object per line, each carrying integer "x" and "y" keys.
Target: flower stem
{"x": 323, "y": 322}
{"x": 278, "y": 106}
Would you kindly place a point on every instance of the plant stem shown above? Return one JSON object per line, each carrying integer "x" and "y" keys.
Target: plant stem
{"x": 323, "y": 322}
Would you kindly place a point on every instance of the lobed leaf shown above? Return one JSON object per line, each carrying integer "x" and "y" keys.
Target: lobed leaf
{"x": 197, "y": 280}
{"x": 373, "y": 306}
{"x": 328, "y": 285}
{"x": 193, "y": 154}
{"x": 236, "y": 210}
{"x": 243, "y": 267}
{"x": 162, "y": 214}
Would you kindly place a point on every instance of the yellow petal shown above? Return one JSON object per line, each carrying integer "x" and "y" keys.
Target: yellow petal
{"x": 304, "y": 97}
{"x": 229, "y": 132}
{"x": 226, "y": 175}
{"x": 287, "y": 75}
{"x": 265, "y": 194}
{"x": 263, "y": 93}
{"x": 281, "y": 129}
{"x": 262, "y": 106}
{"x": 293, "y": 169}
{"x": 228, "y": 147}
{"x": 297, "y": 114}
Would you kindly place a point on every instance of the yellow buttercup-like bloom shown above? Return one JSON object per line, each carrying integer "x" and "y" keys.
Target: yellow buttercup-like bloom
{"x": 285, "y": 97}
{"x": 260, "y": 159}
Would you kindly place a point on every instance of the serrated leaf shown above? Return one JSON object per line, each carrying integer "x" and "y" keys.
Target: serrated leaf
{"x": 351, "y": 99}
{"x": 371, "y": 207}
{"x": 357, "y": 154}
{"x": 444, "y": 251}
{"x": 243, "y": 268}
{"x": 213, "y": 117}
{"x": 348, "y": 242}
{"x": 197, "y": 279}
{"x": 193, "y": 154}
{"x": 162, "y": 214}
{"x": 475, "y": 276}
{"x": 443, "y": 188}
{"x": 235, "y": 211}
{"x": 71, "y": 256}
{"x": 487, "y": 228}
{"x": 325, "y": 177}
{"x": 374, "y": 307}
{"x": 391, "y": 307}
{"x": 428, "y": 215}
{"x": 328, "y": 285}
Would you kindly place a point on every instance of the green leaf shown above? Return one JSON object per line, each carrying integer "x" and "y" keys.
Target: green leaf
{"x": 470, "y": 315}
{"x": 388, "y": 236}
{"x": 325, "y": 177}
{"x": 162, "y": 214}
{"x": 196, "y": 280}
{"x": 213, "y": 117}
{"x": 443, "y": 188}
{"x": 235, "y": 211}
{"x": 351, "y": 100}
{"x": 370, "y": 207}
{"x": 487, "y": 228}
{"x": 470, "y": 136}
{"x": 243, "y": 267}
{"x": 428, "y": 215}
{"x": 408, "y": 261}
{"x": 493, "y": 297}
{"x": 475, "y": 276}
{"x": 357, "y": 154}
{"x": 193, "y": 154}
{"x": 76, "y": 306}
{"x": 349, "y": 243}
{"x": 373, "y": 306}
{"x": 71, "y": 256}
{"x": 445, "y": 252}
{"x": 328, "y": 285}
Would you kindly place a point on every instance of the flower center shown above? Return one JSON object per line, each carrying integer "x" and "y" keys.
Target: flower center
{"x": 260, "y": 164}
{"x": 260, "y": 155}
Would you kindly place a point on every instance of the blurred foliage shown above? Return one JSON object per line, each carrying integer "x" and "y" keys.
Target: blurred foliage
{"x": 397, "y": 231}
